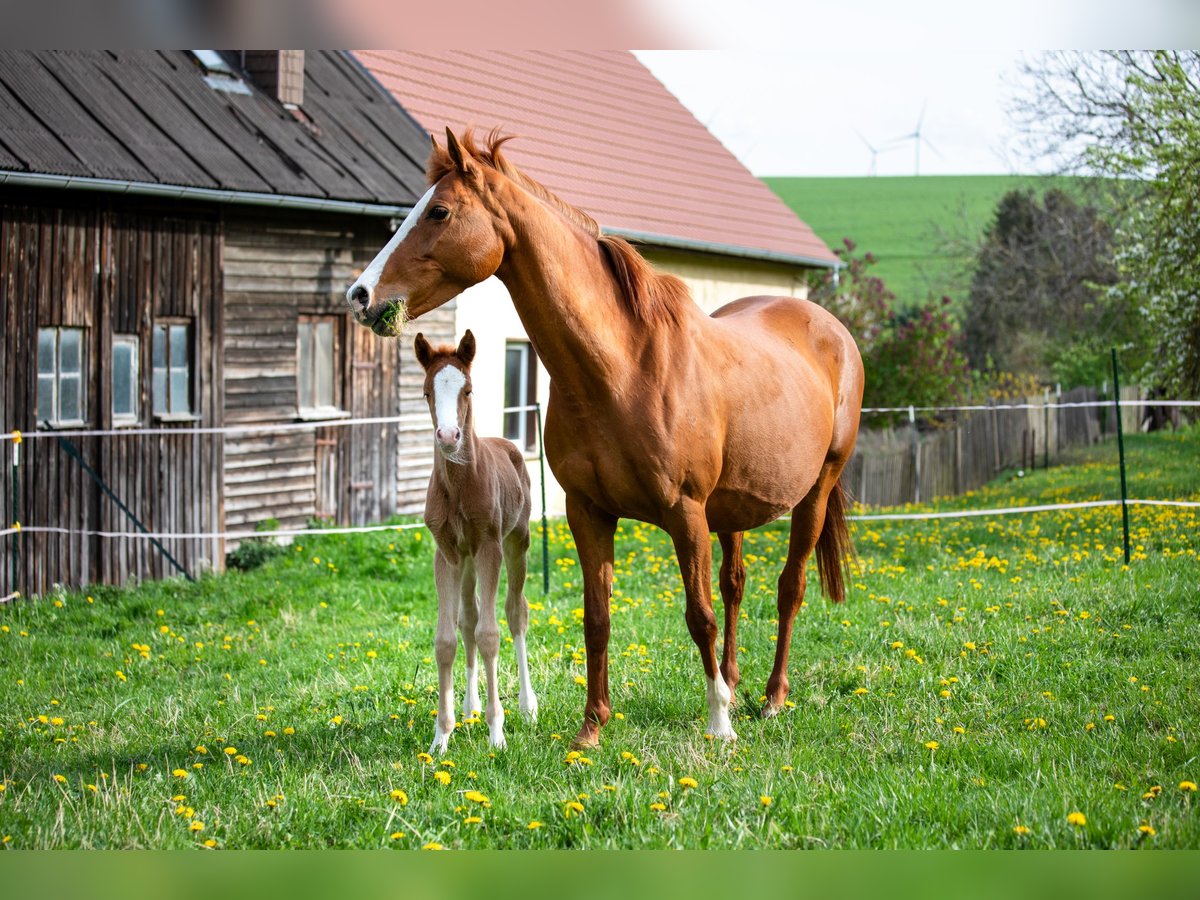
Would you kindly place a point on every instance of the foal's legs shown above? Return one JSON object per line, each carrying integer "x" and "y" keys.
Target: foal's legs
{"x": 689, "y": 532}
{"x": 487, "y": 635}
{"x": 516, "y": 610}
{"x": 468, "y": 620}
{"x": 733, "y": 583}
{"x": 808, "y": 518}
{"x": 445, "y": 643}
{"x": 593, "y": 531}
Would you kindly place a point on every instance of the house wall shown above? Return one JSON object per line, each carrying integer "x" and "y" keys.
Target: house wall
{"x": 108, "y": 267}
{"x": 488, "y": 311}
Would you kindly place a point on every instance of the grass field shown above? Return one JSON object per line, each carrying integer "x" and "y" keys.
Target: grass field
{"x": 921, "y": 230}
{"x": 990, "y": 682}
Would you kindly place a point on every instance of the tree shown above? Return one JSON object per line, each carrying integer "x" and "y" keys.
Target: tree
{"x": 1135, "y": 116}
{"x": 1038, "y": 301}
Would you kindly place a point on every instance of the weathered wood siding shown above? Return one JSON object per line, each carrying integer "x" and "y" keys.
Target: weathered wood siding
{"x": 109, "y": 268}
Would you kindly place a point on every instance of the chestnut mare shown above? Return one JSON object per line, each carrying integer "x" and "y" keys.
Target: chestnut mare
{"x": 657, "y": 412}
{"x": 477, "y": 508}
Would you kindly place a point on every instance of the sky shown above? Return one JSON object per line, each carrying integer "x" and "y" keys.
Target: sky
{"x": 807, "y": 87}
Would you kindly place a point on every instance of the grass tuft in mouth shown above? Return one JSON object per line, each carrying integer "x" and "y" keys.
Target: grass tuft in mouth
{"x": 391, "y": 321}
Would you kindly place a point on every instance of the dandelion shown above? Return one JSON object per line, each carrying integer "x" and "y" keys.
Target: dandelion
{"x": 210, "y": 843}
{"x": 534, "y": 825}
{"x": 765, "y": 800}
{"x": 572, "y": 807}
{"x": 658, "y": 807}
{"x": 400, "y": 797}
{"x": 472, "y": 820}
{"x": 688, "y": 782}
{"x": 1077, "y": 819}
{"x": 396, "y": 835}
{"x": 1188, "y": 787}
{"x": 1020, "y": 830}
{"x": 432, "y": 845}
{"x": 196, "y": 825}
{"x": 931, "y": 745}
{"x": 180, "y": 773}
{"x": 476, "y": 797}
{"x": 289, "y": 730}
{"x": 1147, "y": 829}
{"x": 425, "y": 758}
{"x": 231, "y": 751}
{"x": 442, "y": 777}
{"x": 120, "y": 675}
{"x": 61, "y": 779}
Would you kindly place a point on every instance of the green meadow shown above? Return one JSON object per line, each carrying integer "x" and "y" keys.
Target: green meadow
{"x": 922, "y": 230}
{"x": 992, "y": 682}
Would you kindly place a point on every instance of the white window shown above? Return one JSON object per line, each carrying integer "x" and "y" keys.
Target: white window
{"x": 171, "y": 369}
{"x": 125, "y": 384}
{"x": 316, "y": 353}
{"x": 520, "y": 394}
{"x": 60, "y": 385}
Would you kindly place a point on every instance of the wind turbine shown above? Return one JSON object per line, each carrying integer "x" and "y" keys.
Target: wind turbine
{"x": 875, "y": 151}
{"x": 917, "y": 139}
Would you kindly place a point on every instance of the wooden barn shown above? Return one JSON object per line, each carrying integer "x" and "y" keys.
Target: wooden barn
{"x": 177, "y": 230}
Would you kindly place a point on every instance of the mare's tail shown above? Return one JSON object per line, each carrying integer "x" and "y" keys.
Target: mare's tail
{"x": 834, "y": 548}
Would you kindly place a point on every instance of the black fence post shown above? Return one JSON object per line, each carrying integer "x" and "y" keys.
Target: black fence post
{"x": 1121, "y": 452}
{"x": 14, "y": 551}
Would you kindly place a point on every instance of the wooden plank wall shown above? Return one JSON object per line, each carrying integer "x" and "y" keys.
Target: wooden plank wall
{"x": 108, "y": 268}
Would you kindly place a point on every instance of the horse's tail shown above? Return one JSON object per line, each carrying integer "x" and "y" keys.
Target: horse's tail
{"x": 834, "y": 548}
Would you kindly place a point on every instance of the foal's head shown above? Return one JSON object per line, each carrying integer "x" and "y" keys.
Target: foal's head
{"x": 448, "y": 391}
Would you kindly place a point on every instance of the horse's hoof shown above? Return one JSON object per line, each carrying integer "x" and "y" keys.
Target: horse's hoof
{"x": 770, "y": 711}
{"x": 439, "y": 745}
{"x": 497, "y": 742}
{"x": 529, "y": 709}
{"x": 587, "y": 739}
{"x": 727, "y": 735}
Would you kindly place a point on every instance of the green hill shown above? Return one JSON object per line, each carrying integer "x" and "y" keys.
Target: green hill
{"x": 922, "y": 230}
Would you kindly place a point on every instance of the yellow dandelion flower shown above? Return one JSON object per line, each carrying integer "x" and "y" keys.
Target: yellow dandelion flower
{"x": 1020, "y": 830}
{"x": 210, "y": 843}
{"x": 572, "y": 807}
{"x": 425, "y": 758}
{"x": 931, "y": 745}
{"x": 476, "y": 797}
{"x": 231, "y": 751}
{"x": 289, "y": 730}
{"x": 1147, "y": 829}
{"x": 534, "y": 825}
{"x": 432, "y": 845}
{"x": 765, "y": 800}
{"x": 201, "y": 749}
{"x": 400, "y": 797}
{"x": 180, "y": 773}
{"x": 658, "y": 807}
{"x": 688, "y": 782}
{"x": 1077, "y": 819}
{"x": 1188, "y": 787}
{"x": 442, "y": 777}
{"x": 396, "y": 835}
{"x": 61, "y": 779}
{"x": 472, "y": 820}
{"x": 120, "y": 675}
{"x": 196, "y": 825}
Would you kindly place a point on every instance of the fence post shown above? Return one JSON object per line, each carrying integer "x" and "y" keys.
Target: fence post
{"x": 545, "y": 525}
{"x": 14, "y": 552}
{"x": 1121, "y": 452}
{"x": 1046, "y": 428}
{"x": 916, "y": 453}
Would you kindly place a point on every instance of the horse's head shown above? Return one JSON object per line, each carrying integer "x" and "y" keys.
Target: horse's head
{"x": 448, "y": 391}
{"x": 446, "y": 244}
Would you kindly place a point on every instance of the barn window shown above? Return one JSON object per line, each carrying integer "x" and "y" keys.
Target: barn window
{"x": 316, "y": 376}
{"x": 171, "y": 369}
{"x": 520, "y": 394}
{"x": 60, "y": 387}
{"x": 125, "y": 386}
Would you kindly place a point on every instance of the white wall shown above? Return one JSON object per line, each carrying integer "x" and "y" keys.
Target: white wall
{"x": 488, "y": 311}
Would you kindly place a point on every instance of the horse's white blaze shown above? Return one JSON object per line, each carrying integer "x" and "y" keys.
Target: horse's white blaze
{"x": 447, "y": 385}
{"x": 370, "y": 276}
{"x": 719, "y": 725}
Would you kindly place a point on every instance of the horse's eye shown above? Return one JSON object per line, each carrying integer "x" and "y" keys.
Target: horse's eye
{"x": 438, "y": 213}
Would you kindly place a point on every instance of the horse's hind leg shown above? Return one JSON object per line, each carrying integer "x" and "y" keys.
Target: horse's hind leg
{"x": 808, "y": 518}
{"x": 733, "y": 583}
{"x": 516, "y": 610}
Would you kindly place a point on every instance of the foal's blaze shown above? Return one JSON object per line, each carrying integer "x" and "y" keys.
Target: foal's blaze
{"x": 657, "y": 412}
{"x": 477, "y": 509}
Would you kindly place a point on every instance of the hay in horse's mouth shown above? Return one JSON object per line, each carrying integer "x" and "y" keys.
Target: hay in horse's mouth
{"x": 392, "y": 320}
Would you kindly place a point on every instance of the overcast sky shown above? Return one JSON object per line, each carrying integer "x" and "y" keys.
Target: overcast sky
{"x": 805, "y": 86}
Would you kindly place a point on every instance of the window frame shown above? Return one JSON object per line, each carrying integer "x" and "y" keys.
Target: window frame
{"x": 310, "y": 322}
{"x": 526, "y": 436}
{"x": 134, "y": 342}
{"x": 167, "y": 414}
{"x": 56, "y": 419}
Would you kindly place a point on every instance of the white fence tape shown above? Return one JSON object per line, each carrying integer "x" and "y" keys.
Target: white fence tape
{"x": 362, "y": 529}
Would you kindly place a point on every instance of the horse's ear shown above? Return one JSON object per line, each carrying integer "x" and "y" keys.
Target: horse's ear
{"x": 433, "y": 140}
{"x": 461, "y": 159}
{"x": 466, "y": 349}
{"x": 423, "y": 350}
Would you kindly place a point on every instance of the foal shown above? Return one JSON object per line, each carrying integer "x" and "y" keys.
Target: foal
{"x": 478, "y": 511}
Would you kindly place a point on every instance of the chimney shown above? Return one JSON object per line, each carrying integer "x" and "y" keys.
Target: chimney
{"x": 278, "y": 72}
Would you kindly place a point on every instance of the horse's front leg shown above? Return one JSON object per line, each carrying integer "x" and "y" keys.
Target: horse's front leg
{"x": 487, "y": 635}
{"x": 593, "y": 531}
{"x": 447, "y": 579}
{"x": 688, "y": 528}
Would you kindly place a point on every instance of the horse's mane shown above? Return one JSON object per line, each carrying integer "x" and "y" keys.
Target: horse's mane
{"x": 650, "y": 296}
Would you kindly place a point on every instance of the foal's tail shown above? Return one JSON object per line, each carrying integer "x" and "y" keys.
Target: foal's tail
{"x": 834, "y": 548}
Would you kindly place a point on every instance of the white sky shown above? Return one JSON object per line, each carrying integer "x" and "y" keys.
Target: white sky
{"x": 798, "y": 78}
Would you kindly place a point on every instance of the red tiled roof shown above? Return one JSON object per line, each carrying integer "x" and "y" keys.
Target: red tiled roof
{"x": 604, "y": 134}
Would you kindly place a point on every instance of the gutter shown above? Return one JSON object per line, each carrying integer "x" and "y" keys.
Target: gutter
{"x": 207, "y": 195}
{"x": 317, "y": 204}
{"x": 677, "y": 243}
